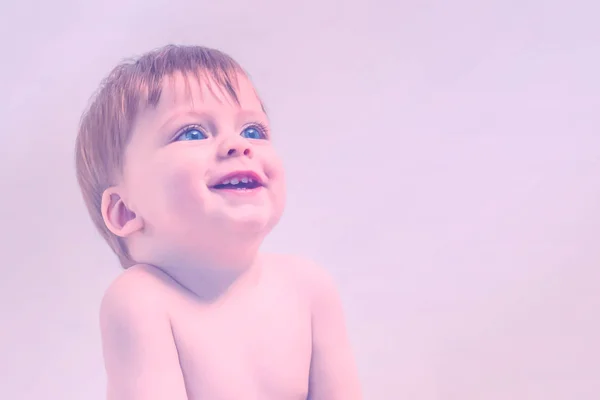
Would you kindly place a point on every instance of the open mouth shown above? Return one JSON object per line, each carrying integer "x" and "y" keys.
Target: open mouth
{"x": 239, "y": 181}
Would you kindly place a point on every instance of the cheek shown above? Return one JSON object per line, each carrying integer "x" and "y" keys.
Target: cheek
{"x": 169, "y": 188}
{"x": 273, "y": 165}
{"x": 276, "y": 175}
{"x": 183, "y": 186}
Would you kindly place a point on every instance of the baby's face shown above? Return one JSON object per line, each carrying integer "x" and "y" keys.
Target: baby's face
{"x": 201, "y": 169}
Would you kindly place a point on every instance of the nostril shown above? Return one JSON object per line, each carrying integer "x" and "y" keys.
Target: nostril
{"x": 232, "y": 152}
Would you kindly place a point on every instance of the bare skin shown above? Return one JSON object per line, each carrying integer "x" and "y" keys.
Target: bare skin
{"x": 202, "y": 316}
{"x": 256, "y": 342}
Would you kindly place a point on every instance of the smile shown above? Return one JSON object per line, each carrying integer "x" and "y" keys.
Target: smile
{"x": 240, "y": 180}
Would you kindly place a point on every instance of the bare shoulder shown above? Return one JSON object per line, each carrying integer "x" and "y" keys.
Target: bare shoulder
{"x": 333, "y": 372}
{"x": 310, "y": 277}
{"x": 139, "y": 288}
{"x": 132, "y": 304}
{"x": 139, "y": 351}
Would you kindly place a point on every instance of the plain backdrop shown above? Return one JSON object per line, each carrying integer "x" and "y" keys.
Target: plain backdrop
{"x": 443, "y": 162}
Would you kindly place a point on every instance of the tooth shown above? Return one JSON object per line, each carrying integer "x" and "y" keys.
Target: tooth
{"x": 225, "y": 182}
{"x": 250, "y": 180}
{"x": 244, "y": 180}
{"x": 235, "y": 181}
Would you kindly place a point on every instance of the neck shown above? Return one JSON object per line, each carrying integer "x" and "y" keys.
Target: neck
{"x": 210, "y": 275}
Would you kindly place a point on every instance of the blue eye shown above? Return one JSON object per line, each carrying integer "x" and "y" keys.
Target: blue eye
{"x": 254, "y": 132}
{"x": 192, "y": 132}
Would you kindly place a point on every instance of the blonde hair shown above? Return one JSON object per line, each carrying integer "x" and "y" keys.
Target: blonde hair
{"x": 106, "y": 125}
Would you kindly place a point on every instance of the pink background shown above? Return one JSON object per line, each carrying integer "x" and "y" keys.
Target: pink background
{"x": 443, "y": 162}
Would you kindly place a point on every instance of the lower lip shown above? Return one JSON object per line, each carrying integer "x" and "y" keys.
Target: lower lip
{"x": 239, "y": 192}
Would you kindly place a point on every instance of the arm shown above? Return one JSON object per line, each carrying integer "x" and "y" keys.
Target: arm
{"x": 139, "y": 350}
{"x": 333, "y": 373}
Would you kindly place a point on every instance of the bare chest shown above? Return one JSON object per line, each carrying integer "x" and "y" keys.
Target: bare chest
{"x": 255, "y": 350}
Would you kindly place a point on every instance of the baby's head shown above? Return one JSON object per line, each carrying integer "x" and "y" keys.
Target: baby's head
{"x": 175, "y": 161}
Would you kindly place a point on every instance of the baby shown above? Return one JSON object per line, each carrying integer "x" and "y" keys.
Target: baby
{"x": 176, "y": 166}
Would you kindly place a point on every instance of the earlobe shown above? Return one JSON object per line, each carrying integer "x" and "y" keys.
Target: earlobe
{"x": 119, "y": 219}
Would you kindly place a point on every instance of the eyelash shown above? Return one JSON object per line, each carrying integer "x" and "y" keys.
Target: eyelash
{"x": 188, "y": 128}
{"x": 260, "y": 127}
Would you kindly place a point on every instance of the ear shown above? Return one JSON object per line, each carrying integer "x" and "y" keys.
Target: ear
{"x": 119, "y": 219}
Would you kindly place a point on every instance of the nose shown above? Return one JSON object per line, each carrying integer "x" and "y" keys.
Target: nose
{"x": 235, "y": 147}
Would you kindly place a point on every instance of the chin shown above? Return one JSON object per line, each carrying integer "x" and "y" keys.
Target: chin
{"x": 249, "y": 221}
{"x": 248, "y": 224}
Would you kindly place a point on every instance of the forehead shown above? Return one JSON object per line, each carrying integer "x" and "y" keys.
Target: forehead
{"x": 202, "y": 91}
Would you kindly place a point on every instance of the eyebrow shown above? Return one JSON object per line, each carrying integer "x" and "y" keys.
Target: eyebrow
{"x": 181, "y": 114}
{"x": 243, "y": 114}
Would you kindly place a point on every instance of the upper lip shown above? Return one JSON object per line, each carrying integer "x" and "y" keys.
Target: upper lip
{"x": 239, "y": 174}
